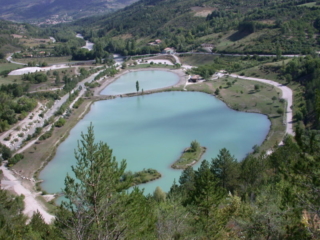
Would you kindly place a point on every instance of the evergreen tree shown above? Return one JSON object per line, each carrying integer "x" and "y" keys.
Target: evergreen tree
{"x": 206, "y": 199}
{"x": 225, "y": 169}
{"x": 98, "y": 206}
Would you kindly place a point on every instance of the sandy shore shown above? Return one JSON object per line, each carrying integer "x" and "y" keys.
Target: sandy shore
{"x": 106, "y": 81}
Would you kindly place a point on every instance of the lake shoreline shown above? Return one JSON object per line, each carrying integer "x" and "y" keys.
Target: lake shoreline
{"x": 98, "y": 97}
{"x": 107, "y": 81}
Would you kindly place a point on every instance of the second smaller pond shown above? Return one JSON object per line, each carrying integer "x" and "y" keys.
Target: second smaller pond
{"x": 148, "y": 80}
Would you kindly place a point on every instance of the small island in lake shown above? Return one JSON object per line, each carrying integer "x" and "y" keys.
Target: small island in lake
{"x": 144, "y": 176}
{"x": 189, "y": 156}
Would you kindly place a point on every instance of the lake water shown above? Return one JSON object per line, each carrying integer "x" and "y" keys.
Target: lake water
{"x": 148, "y": 80}
{"x": 151, "y": 131}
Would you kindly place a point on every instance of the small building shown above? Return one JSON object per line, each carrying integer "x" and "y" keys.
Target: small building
{"x": 158, "y": 41}
{"x": 42, "y": 52}
{"x": 168, "y": 50}
{"x": 194, "y": 78}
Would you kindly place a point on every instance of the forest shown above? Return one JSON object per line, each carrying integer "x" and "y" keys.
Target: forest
{"x": 262, "y": 27}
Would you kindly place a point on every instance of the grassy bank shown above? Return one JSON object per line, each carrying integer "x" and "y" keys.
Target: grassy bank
{"x": 189, "y": 158}
{"x": 250, "y": 96}
{"x": 144, "y": 176}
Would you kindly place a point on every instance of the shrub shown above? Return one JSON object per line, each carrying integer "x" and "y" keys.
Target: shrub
{"x": 280, "y": 111}
{"x": 16, "y": 158}
{"x": 60, "y": 122}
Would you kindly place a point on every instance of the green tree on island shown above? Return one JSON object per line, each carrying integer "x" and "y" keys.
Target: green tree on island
{"x": 137, "y": 86}
{"x": 194, "y": 146}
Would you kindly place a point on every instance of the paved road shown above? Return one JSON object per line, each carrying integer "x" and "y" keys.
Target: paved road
{"x": 89, "y": 45}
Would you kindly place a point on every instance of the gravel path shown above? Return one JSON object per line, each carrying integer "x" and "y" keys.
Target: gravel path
{"x": 32, "y": 204}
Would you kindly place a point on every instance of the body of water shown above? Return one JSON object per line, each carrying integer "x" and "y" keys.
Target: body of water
{"x": 148, "y": 80}
{"x": 151, "y": 131}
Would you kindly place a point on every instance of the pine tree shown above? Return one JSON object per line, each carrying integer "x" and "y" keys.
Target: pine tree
{"x": 98, "y": 206}
{"x": 206, "y": 199}
{"x": 225, "y": 168}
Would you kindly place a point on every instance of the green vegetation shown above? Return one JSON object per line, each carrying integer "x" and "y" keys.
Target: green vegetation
{"x": 60, "y": 122}
{"x": 190, "y": 156}
{"x": 14, "y": 105}
{"x": 144, "y": 176}
{"x": 37, "y": 77}
{"x": 16, "y": 158}
{"x": 78, "y": 103}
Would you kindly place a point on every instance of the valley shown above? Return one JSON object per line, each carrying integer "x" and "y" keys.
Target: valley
{"x": 140, "y": 80}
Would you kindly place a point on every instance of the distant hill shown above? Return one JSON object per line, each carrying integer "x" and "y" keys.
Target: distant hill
{"x": 56, "y": 11}
{"x": 229, "y": 26}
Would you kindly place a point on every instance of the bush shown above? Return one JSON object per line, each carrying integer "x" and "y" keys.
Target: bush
{"x": 60, "y": 122}
{"x": 45, "y": 135}
{"x": 6, "y": 152}
{"x": 16, "y": 158}
{"x": 280, "y": 111}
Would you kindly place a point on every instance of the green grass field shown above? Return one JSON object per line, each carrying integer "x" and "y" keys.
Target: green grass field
{"x": 268, "y": 70}
{"x": 10, "y": 80}
{"x": 48, "y": 60}
{"x": 9, "y": 66}
{"x": 310, "y": 4}
{"x": 272, "y": 71}
{"x": 197, "y": 59}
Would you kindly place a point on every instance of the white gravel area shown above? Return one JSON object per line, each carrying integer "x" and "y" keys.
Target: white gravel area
{"x": 32, "y": 204}
{"x": 36, "y": 69}
{"x": 157, "y": 61}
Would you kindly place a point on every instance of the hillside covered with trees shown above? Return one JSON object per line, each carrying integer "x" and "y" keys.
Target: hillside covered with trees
{"x": 277, "y": 27}
{"x": 51, "y": 12}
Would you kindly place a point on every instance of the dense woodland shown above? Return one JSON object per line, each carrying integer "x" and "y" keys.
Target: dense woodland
{"x": 278, "y": 27}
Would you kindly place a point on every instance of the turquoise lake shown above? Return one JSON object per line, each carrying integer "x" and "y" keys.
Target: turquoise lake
{"x": 151, "y": 131}
{"x": 148, "y": 80}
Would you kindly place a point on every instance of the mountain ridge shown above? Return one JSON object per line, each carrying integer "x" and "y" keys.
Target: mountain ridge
{"x": 57, "y": 11}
